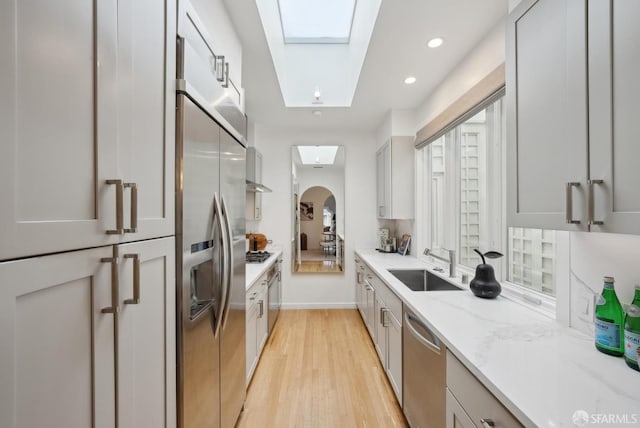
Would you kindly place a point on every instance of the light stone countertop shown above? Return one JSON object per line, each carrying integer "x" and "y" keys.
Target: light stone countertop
{"x": 253, "y": 271}
{"x": 541, "y": 371}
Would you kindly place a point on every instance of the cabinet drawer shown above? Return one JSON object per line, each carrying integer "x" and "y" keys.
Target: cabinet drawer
{"x": 476, "y": 400}
{"x": 391, "y": 301}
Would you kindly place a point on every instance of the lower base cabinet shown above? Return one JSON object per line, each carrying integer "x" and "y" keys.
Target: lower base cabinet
{"x": 470, "y": 404}
{"x": 257, "y": 324}
{"x": 456, "y": 416}
{"x": 88, "y": 338}
{"x": 381, "y": 311}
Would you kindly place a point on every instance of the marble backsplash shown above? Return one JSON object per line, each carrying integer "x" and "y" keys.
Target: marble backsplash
{"x": 594, "y": 255}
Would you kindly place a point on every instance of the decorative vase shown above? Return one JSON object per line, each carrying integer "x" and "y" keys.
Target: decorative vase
{"x": 484, "y": 284}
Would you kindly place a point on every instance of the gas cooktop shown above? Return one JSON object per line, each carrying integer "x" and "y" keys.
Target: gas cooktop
{"x": 257, "y": 256}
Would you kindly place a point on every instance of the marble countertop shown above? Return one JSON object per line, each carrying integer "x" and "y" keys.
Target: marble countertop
{"x": 541, "y": 371}
{"x": 253, "y": 271}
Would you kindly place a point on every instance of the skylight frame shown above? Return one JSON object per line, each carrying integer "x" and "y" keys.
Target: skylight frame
{"x": 317, "y": 40}
{"x": 314, "y": 152}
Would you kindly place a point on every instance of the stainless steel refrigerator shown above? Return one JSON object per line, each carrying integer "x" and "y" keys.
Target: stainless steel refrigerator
{"x": 210, "y": 240}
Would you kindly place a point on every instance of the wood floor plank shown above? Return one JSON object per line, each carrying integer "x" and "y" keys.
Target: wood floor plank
{"x": 319, "y": 369}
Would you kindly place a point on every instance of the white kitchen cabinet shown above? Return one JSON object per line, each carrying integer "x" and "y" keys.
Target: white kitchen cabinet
{"x": 59, "y": 362}
{"x": 395, "y": 180}
{"x": 546, "y": 78}
{"x": 382, "y": 314}
{"x": 78, "y": 111}
{"x": 571, "y": 103}
{"x": 358, "y": 267}
{"x": 146, "y": 334}
{"x": 380, "y": 327}
{"x": 456, "y": 416}
{"x": 370, "y": 303}
{"x": 57, "y": 355}
{"x": 257, "y": 323}
{"x": 394, "y": 353}
{"x": 614, "y": 66}
{"x": 471, "y": 399}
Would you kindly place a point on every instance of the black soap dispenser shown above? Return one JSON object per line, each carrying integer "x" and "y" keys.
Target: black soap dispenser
{"x": 484, "y": 284}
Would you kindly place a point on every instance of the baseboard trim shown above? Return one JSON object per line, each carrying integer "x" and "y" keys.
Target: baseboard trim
{"x": 318, "y": 306}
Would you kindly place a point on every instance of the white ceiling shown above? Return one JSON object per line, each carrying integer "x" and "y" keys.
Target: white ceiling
{"x": 397, "y": 50}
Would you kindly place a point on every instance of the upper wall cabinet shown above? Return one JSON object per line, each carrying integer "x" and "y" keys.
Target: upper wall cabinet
{"x": 394, "y": 168}
{"x": 86, "y": 124}
{"x": 571, "y": 99}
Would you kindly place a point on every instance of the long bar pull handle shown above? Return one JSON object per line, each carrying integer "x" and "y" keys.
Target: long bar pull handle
{"x": 134, "y": 207}
{"x": 261, "y": 303}
{"x": 592, "y": 220}
{"x": 217, "y": 219}
{"x": 114, "y": 308}
{"x": 119, "y": 203}
{"x": 226, "y": 75}
{"x": 229, "y": 260}
{"x": 136, "y": 279}
{"x": 569, "y": 199}
{"x": 220, "y": 68}
{"x": 433, "y": 345}
{"x": 382, "y": 317}
{"x": 487, "y": 423}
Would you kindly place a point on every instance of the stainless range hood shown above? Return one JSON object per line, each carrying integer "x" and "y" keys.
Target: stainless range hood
{"x": 254, "y": 172}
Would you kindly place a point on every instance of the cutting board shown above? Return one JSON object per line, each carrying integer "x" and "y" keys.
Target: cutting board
{"x": 262, "y": 241}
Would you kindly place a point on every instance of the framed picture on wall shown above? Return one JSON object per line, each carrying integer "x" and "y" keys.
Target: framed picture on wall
{"x": 404, "y": 244}
{"x": 306, "y": 211}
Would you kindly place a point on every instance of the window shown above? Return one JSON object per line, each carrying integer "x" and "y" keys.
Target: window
{"x": 316, "y": 21}
{"x": 464, "y": 204}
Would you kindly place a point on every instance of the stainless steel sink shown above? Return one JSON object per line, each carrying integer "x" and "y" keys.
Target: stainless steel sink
{"x": 422, "y": 280}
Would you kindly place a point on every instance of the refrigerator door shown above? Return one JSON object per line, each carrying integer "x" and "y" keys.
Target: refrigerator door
{"x": 199, "y": 238}
{"x": 232, "y": 334}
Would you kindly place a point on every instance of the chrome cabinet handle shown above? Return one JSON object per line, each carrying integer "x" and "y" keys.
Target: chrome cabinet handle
{"x": 383, "y": 317}
{"x": 487, "y": 423}
{"x": 226, "y": 75}
{"x": 592, "y": 220}
{"x": 381, "y": 211}
{"x": 220, "y": 68}
{"x": 569, "y": 199}
{"x": 134, "y": 207}
{"x": 261, "y": 303}
{"x": 114, "y": 308}
{"x": 119, "y": 202}
{"x": 136, "y": 279}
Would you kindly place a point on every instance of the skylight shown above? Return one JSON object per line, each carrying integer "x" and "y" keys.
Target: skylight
{"x": 318, "y": 155}
{"x": 316, "y": 21}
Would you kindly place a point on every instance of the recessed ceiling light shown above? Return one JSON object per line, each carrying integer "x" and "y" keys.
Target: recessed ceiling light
{"x": 434, "y": 43}
{"x": 410, "y": 80}
{"x": 317, "y": 113}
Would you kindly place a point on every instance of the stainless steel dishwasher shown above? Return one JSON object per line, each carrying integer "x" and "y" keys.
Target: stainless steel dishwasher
{"x": 424, "y": 360}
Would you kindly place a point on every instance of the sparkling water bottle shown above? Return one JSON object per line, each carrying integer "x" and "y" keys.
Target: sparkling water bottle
{"x": 632, "y": 332}
{"x": 609, "y": 321}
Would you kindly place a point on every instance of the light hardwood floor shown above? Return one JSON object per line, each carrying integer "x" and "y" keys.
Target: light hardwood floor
{"x": 319, "y": 369}
{"x": 307, "y": 266}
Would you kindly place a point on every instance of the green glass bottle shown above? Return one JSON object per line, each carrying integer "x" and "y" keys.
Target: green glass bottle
{"x": 632, "y": 332}
{"x": 609, "y": 321}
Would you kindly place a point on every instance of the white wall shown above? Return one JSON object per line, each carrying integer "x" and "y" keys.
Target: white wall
{"x": 594, "y": 255}
{"x": 488, "y": 54}
{"x": 318, "y": 290}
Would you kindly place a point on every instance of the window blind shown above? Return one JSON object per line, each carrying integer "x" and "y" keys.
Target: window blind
{"x": 485, "y": 92}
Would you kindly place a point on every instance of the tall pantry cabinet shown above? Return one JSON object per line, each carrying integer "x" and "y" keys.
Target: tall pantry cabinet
{"x": 87, "y": 282}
